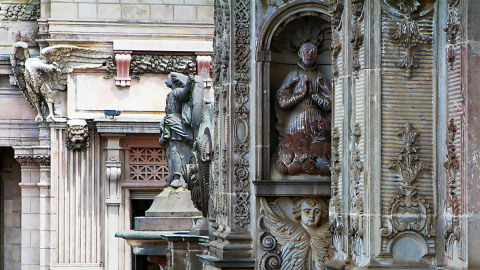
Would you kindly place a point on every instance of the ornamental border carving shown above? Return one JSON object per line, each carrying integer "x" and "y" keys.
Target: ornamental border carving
{"x": 242, "y": 57}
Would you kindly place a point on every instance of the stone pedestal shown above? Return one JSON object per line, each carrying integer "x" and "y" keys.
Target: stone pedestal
{"x": 164, "y": 233}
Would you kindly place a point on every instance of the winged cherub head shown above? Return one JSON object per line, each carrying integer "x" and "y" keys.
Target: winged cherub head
{"x": 310, "y": 211}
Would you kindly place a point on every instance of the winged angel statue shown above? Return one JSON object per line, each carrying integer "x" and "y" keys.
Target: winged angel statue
{"x": 304, "y": 245}
{"x": 40, "y": 77}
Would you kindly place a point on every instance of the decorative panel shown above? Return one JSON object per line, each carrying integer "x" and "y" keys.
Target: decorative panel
{"x": 407, "y": 98}
{"x": 147, "y": 164}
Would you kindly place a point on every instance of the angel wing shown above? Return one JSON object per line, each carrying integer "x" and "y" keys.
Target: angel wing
{"x": 321, "y": 243}
{"x": 18, "y": 57}
{"x": 69, "y": 57}
{"x": 293, "y": 238}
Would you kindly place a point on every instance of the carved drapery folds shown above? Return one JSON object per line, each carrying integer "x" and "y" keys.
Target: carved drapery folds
{"x": 294, "y": 234}
{"x": 78, "y": 136}
{"x": 40, "y": 77}
{"x": 241, "y": 133}
{"x": 408, "y": 33}
{"x": 408, "y": 211}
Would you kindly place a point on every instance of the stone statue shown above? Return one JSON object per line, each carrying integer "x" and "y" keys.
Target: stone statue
{"x": 302, "y": 101}
{"x": 39, "y": 77}
{"x": 305, "y": 242}
{"x": 179, "y": 128}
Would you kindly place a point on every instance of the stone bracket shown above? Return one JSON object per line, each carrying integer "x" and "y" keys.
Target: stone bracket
{"x": 123, "y": 59}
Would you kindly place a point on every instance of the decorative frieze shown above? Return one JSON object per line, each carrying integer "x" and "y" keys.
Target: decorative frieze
{"x": 26, "y": 160}
{"x": 20, "y": 12}
{"x": 162, "y": 64}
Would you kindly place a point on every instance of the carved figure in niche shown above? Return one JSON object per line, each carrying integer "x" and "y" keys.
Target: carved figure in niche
{"x": 302, "y": 101}
{"x": 39, "y": 77}
{"x": 305, "y": 241}
{"x": 180, "y": 125}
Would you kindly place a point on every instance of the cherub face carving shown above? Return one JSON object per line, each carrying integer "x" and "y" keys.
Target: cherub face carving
{"x": 310, "y": 215}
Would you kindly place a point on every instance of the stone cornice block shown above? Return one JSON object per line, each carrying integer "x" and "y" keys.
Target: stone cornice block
{"x": 163, "y": 45}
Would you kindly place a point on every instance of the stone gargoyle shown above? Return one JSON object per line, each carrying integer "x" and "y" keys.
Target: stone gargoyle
{"x": 39, "y": 77}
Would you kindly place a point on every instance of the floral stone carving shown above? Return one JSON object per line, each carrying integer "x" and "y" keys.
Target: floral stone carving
{"x": 408, "y": 211}
{"x": 78, "y": 137}
{"x": 296, "y": 234}
{"x": 39, "y": 77}
{"x": 304, "y": 132}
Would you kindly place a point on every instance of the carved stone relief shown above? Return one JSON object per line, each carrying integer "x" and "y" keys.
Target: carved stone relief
{"x": 453, "y": 230}
{"x": 356, "y": 229}
{"x": 20, "y": 12}
{"x": 155, "y": 64}
{"x": 295, "y": 234}
{"x": 336, "y": 11}
{"x": 78, "y": 136}
{"x": 40, "y": 77}
{"x": 337, "y": 222}
{"x": 356, "y": 37}
{"x": 408, "y": 33}
{"x": 408, "y": 211}
{"x": 198, "y": 172}
{"x": 452, "y": 29}
{"x": 241, "y": 133}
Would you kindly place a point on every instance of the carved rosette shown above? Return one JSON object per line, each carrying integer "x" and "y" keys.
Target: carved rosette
{"x": 241, "y": 137}
{"x": 356, "y": 195}
{"x": 78, "y": 136}
{"x": 453, "y": 231}
{"x": 408, "y": 211}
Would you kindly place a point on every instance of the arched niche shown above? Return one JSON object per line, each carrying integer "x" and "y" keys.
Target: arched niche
{"x": 276, "y": 57}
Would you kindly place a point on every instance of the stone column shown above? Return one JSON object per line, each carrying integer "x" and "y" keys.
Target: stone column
{"x": 383, "y": 210}
{"x": 113, "y": 167}
{"x": 44, "y": 185}
{"x": 30, "y": 216}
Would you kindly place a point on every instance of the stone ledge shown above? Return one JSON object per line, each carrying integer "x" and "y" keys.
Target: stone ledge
{"x": 113, "y": 126}
{"x": 292, "y": 188}
{"x": 228, "y": 263}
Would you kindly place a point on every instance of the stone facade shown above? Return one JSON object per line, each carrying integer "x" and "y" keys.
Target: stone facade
{"x": 390, "y": 103}
{"x": 68, "y": 179}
